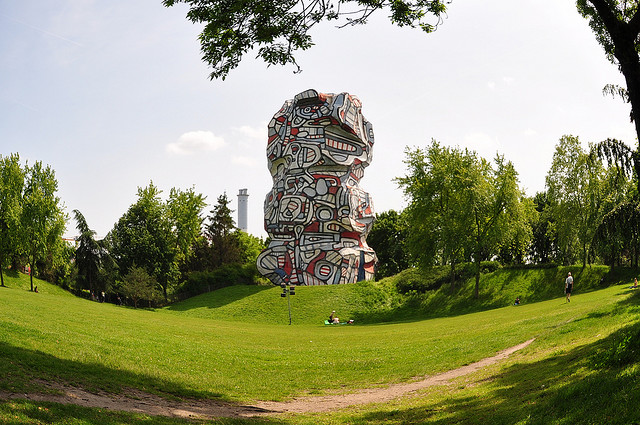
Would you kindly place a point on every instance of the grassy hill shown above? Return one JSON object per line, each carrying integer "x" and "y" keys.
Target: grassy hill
{"x": 378, "y": 302}
{"x": 235, "y": 344}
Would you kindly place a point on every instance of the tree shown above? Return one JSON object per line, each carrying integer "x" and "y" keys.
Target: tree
{"x": 438, "y": 186}
{"x": 184, "y": 210}
{"x": 461, "y": 207}
{"x": 388, "y": 238}
{"x": 42, "y": 217}
{"x": 249, "y": 246}
{"x": 11, "y": 185}
{"x": 278, "y": 28}
{"x": 616, "y": 25}
{"x": 543, "y": 248}
{"x": 138, "y": 285}
{"x": 89, "y": 253}
{"x": 143, "y": 238}
{"x": 220, "y": 230}
{"x": 501, "y": 213}
{"x": 576, "y": 185}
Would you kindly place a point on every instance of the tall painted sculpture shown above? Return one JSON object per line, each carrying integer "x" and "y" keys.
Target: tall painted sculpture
{"x": 316, "y": 214}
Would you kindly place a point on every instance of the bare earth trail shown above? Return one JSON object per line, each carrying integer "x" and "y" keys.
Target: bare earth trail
{"x": 140, "y": 402}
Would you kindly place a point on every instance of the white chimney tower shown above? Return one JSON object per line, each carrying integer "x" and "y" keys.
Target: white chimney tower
{"x": 243, "y": 205}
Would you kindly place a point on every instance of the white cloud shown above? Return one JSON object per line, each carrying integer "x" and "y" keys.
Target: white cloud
{"x": 194, "y": 142}
{"x": 244, "y": 161}
{"x": 491, "y": 85}
{"x": 256, "y": 133}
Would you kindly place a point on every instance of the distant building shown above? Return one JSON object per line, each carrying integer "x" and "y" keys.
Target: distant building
{"x": 71, "y": 241}
{"x": 243, "y": 207}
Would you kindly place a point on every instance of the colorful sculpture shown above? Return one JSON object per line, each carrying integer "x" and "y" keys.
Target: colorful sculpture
{"x": 316, "y": 214}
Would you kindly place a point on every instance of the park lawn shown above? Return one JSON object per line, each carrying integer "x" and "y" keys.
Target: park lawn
{"x": 555, "y": 380}
{"x": 176, "y": 353}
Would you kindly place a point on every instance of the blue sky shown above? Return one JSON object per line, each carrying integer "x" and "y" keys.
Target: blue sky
{"x": 113, "y": 94}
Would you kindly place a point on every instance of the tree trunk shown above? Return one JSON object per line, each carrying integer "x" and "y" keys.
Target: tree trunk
{"x": 31, "y": 276}
{"x": 477, "y": 290}
{"x": 453, "y": 276}
{"x": 624, "y": 38}
{"x": 1, "y": 275}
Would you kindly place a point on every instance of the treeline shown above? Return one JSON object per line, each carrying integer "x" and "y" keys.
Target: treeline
{"x": 159, "y": 250}
{"x": 465, "y": 209}
{"x": 461, "y": 209}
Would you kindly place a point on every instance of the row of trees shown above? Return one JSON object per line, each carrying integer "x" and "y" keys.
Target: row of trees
{"x": 153, "y": 250}
{"x": 463, "y": 208}
{"x": 157, "y": 246}
{"x": 588, "y": 210}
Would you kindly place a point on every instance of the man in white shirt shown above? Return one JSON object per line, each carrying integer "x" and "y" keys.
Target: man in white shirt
{"x": 568, "y": 286}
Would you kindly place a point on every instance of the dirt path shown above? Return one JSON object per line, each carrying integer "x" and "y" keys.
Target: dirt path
{"x": 140, "y": 402}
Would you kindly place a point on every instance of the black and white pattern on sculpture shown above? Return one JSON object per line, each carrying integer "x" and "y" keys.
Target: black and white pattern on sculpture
{"x": 316, "y": 214}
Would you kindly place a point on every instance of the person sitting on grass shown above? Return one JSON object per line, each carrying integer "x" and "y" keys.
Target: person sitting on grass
{"x": 333, "y": 318}
{"x": 635, "y": 283}
{"x": 517, "y": 302}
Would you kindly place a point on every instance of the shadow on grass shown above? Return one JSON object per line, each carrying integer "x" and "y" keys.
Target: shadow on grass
{"x": 16, "y": 412}
{"x": 567, "y": 387}
{"x": 218, "y": 298}
{"x": 20, "y": 369}
{"x": 544, "y": 392}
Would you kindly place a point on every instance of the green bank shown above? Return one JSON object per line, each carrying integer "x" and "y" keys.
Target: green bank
{"x": 236, "y": 345}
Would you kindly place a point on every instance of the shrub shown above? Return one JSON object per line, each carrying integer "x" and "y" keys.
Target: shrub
{"x": 420, "y": 281}
{"x": 226, "y": 275}
{"x": 532, "y": 266}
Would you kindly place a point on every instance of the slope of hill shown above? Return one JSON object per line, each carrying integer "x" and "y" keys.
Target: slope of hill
{"x": 234, "y": 345}
{"x": 376, "y": 302}
{"x": 18, "y": 280}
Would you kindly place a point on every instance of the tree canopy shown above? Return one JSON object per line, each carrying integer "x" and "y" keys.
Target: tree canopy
{"x": 388, "y": 237}
{"x": 460, "y": 206}
{"x": 89, "y": 252}
{"x": 220, "y": 230}
{"x": 616, "y": 25}
{"x": 11, "y": 185}
{"x": 278, "y": 28}
{"x": 42, "y": 216}
{"x": 143, "y": 238}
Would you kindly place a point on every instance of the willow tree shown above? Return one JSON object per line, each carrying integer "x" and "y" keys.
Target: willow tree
{"x": 579, "y": 195}
{"x": 616, "y": 25}
{"x": 437, "y": 188}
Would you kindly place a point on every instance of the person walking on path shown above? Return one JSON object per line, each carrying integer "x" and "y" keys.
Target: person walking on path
{"x": 568, "y": 286}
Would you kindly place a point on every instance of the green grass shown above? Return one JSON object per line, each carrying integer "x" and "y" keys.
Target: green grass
{"x": 235, "y": 344}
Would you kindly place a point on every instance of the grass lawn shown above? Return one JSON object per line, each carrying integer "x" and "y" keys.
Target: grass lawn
{"x": 237, "y": 346}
